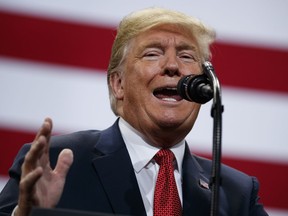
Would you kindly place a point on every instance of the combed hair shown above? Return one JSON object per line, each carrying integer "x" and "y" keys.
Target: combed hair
{"x": 143, "y": 20}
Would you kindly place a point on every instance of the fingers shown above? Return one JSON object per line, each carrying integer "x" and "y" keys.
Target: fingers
{"x": 35, "y": 161}
{"x": 33, "y": 155}
{"x": 40, "y": 145}
{"x": 45, "y": 130}
{"x": 26, "y": 185}
{"x": 65, "y": 160}
{"x": 26, "y": 192}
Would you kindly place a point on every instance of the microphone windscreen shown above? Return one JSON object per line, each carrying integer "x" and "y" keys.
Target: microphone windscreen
{"x": 195, "y": 88}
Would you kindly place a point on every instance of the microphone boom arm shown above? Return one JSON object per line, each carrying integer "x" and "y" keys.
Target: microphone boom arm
{"x": 216, "y": 113}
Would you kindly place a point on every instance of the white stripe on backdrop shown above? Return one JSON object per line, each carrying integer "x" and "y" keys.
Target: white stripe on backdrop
{"x": 77, "y": 99}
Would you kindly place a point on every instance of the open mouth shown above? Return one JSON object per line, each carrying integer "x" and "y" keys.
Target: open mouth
{"x": 167, "y": 94}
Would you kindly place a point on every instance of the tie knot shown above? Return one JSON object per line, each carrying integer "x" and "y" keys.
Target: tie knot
{"x": 164, "y": 156}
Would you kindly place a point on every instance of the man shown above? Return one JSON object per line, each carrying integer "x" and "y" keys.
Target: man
{"x": 118, "y": 170}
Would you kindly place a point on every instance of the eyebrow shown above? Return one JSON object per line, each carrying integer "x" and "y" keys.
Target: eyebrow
{"x": 151, "y": 45}
{"x": 185, "y": 46}
{"x": 157, "y": 44}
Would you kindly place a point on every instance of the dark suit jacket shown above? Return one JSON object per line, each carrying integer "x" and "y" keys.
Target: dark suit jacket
{"x": 102, "y": 179}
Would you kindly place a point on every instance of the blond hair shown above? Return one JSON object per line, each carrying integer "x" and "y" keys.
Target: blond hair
{"x": 143, "y": 20}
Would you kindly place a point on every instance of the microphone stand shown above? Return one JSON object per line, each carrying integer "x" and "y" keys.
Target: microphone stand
{"x": 216, "y": 113}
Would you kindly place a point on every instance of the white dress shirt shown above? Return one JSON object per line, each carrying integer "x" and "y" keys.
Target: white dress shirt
{"x": 145, "y": 167}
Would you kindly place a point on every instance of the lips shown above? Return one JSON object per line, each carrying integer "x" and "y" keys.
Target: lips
{"x": 167, "y": 94}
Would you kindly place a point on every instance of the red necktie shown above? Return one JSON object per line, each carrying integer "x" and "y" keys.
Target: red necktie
{"x": 166, "y": 197}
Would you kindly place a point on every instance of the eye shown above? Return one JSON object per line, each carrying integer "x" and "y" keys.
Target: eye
{"x": 152, "y": 54}
{"x": 188, "y": 57}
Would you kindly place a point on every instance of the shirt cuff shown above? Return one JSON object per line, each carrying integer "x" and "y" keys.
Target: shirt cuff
{"x": 14, "y": 210}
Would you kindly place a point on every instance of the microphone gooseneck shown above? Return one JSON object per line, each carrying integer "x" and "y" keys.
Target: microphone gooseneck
{"x": 196, "y": 88}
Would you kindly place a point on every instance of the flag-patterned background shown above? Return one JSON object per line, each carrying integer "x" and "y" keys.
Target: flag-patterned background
{"x": 53, "y": 60}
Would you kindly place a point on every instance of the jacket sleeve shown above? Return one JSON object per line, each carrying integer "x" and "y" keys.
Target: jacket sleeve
{"x": 9, "y": 194}
{"x": 256, "y": 208}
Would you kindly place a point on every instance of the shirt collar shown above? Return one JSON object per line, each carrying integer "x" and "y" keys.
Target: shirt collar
{"x": 141, "y": 152}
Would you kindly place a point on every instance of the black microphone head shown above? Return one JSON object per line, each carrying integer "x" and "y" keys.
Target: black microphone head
{"x": 195, "y": 88}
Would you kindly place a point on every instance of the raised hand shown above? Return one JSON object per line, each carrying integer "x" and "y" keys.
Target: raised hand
{"x": 40, "y": 185}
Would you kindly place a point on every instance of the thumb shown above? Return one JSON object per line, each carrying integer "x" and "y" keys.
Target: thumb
{"x": 65, "y": 160}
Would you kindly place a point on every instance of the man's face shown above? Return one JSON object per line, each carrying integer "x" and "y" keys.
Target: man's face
{"x": 156, "y": 60}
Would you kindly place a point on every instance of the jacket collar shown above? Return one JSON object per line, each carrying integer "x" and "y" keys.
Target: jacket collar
{"x": 114, "y": 168}
{"x": 196, "y": 190}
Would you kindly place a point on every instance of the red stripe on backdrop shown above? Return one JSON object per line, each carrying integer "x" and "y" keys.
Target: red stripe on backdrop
{"x": 273, "y": 188}
{"x": 83, "y": 45}
{"x": 10, "y": 143}
{"x": 55, "y": 41}
{"x": 251, "y": 67}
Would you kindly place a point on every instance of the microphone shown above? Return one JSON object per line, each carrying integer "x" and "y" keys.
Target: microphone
{"x": 195, "y": 88}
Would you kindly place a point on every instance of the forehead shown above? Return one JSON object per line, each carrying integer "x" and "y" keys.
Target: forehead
{"x": 174, "y": 32}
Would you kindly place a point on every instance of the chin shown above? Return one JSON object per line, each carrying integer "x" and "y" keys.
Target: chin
{"x": 168, "y": 122}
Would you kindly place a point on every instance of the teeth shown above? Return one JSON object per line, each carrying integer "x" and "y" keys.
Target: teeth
{"x": 168, "y": 99}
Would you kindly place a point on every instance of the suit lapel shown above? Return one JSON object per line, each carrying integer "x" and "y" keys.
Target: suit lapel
{"x": 196, "y": 191}
{"x": 114, "y": 169}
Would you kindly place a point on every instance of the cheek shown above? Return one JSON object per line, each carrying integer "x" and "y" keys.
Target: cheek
{"x": 133, "y": 86}
{"x": 192, "y": 110}
{"x": 196, "y": 109}
{"x": 140, "y": 75}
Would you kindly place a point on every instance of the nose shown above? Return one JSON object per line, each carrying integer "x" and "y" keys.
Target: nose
{"x": 171, "y": 66}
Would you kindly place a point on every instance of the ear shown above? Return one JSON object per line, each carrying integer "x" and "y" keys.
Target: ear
{"x": 116, "y": 82}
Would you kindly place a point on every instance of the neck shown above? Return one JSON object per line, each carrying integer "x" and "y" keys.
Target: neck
{"x": 159, "y": 137}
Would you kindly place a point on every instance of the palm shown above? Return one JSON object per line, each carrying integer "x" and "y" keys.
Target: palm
{"x": 48, "y": 188}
